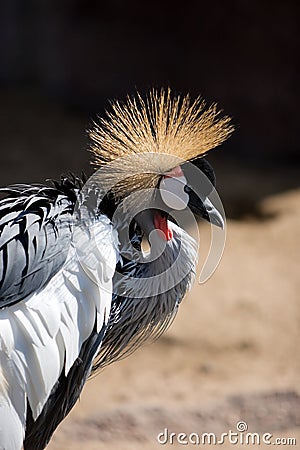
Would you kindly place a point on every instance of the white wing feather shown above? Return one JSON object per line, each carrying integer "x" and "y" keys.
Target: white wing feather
{"x": 42, "y": 335}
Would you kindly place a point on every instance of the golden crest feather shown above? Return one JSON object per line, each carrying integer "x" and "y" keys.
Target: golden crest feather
{"x": 143, "y": 138}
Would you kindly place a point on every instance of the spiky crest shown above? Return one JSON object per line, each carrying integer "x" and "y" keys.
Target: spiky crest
{"x": 140, "y": 139}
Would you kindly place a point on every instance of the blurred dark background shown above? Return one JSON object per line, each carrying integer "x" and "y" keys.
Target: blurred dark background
{"x": 60, "y": 62}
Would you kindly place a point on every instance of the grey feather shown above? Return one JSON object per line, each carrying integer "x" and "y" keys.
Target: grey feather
{"x": 35, "y": 234}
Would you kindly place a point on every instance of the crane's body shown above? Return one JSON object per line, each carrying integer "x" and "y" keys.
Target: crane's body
{"x": 59, "y": 319}
{"x": 58, "y": 308}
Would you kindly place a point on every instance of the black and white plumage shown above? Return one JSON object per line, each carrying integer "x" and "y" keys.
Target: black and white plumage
{"x": 58, "y": 320}
{"x": 56, "y": 308}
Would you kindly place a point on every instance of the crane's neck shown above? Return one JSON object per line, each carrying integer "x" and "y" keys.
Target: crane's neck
{"x": 146, "y": 296}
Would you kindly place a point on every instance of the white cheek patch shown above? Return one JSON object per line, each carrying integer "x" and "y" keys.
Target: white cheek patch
{"x": 172, "y": 192}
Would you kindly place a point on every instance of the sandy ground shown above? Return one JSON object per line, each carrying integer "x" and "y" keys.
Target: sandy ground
{"x": 231, "y": 355}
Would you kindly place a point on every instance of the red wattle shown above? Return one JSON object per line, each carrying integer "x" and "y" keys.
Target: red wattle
{"x": 161, "y": 223}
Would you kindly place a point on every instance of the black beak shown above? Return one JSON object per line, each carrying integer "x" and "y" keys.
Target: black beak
{"x": 212, "y": 214}
{"x": 206, "y": 210}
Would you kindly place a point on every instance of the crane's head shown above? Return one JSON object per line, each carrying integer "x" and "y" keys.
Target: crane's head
{"x": 146, "y": 150}
{"x": 185, "y": 187}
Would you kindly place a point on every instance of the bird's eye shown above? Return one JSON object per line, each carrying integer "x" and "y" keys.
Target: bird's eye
{"x": 187, "y": 189}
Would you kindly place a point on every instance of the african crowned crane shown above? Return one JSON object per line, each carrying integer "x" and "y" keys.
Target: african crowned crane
{"x": 73, "y": 298}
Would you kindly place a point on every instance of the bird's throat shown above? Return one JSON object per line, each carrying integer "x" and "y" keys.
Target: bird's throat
{"x": 161, "y": 223}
